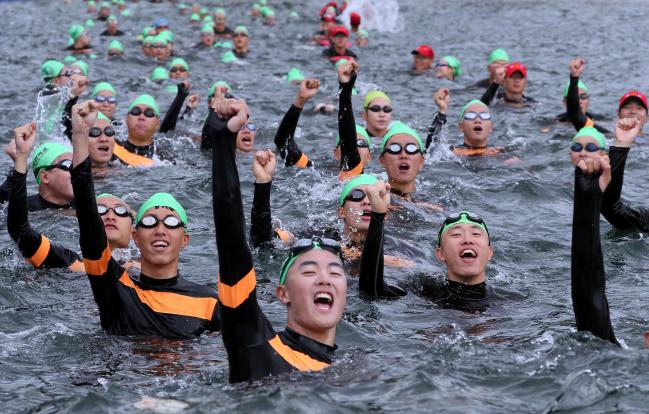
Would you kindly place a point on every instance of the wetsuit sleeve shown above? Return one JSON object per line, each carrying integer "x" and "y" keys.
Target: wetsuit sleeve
{"x": 350, "y": 159}
{"x": 371, "y": 281}
{"x": 435, "y": 129}
{"x": 66, "y": 119}
{"x": 490, "y": 93}
{"x": 242, "y": 322}
{"x": 261, "y": 227}
{"x": 34, "y": 247}
{"x": 587, "y": 267}
{"x": 171, "y": 117}
{"x": 5, "y": 188}
{"x": 285, "y": 140}
{"x": 573, "y": 110}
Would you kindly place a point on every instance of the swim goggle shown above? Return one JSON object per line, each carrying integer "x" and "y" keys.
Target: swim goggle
{"x": 170, "y": 222}
{"x": 249, "y": 127}
{"x": 396, "y": 149}
{"x": 65, "y": 165}
{"x": 356, "y": 195}
{"x": 177, "y": 69}
{"x": 471, "y": 116}
{"x": 149, "y": 113}
{"x": 305, "y": 245}
{"x": 378, "y": 108}
{"x": 96, "y": 132}
{"x": 239, "y": 34}
{"x": 460, "y": 218}
{"x": 120, "y": 211}
{"x": 360, "y": 143}
{"x": 590, "y": 147}
{"x": 109, "y": 99}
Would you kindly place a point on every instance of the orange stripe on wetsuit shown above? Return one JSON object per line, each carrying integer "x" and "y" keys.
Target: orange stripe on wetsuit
{"x": 298, "y": 360}
{"x": 43, "y": 250}
{"x": 487, "y": 151}
{"x": 303, "y": 162}
{"x": 172, "y": 303}
{"x": 346, "y": 175}
{"x": 130, "y": 158}
{"x": 100, "y": 266}
{"x": 233, "y": 296}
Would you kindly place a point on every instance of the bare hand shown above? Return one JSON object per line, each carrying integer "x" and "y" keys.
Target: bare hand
{"x": 83, "y": 117}
{"x": 308, "y": 89}
{"x": 626, "y": 130}
{"x": 442, "y": 98}
{"x": 346, "y": 69}
{"x": 10, "y": 149}
{"x": 185, "y": 85}
{"x": 576, "y": 67}
{"x": 78, "y": 86}
{"x": 379, "y": 196}
{"x": 597, "y": 165}
{"x": 24, "y": 137}
{"x": 263, "y": 166}
{"x": 192, "y": 101}
{"x": 237, "y": 111}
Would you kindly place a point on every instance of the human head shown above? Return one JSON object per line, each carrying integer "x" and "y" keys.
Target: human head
{"x": 246, "y": 137}
{"x": 79, "y": 70}
{"x": 339, "y": 36}
{"x": 219, "y": 83}
{"x": 118, "y": 227}
{"x": 161, "y": 25}
{"x": 633, "y": 104}
{"x": 515, "y": 78}
{"x": 362, "y": 38}
{"x": 104, "y": 10}
{"x": 584, "y": 97}
{"x": 449, "y": 67}
{"x": 463, "y": 244}
{"x": 313, "y": 286}
{"x": 207, "y": 35}
{"x": 476, "y": 131}
{"x": 377, "y": 121}
{"x": 220, "y": 20}
{"x": 269, "y": 16}
{"x": 498, "y": 58}
{"x": 101, "y": 141}
{"x": 354, "y": 206}
{"x": 115, "y": 48}
{"x": 363, "y": 144}
{"x": 422, "y": 58}
{"x": 111, "y": 24}
{"x": 402, "y": 168}
{"x": 78, "y": 36}
{"x": 51, "y": 164}
{"x": 178, "y": 69}
{"x": 141, "y": 128}
{"x": 354, "y": 20}
{"x": 240, "y": 37}
{"x": 584, "y": 137}
{"x": 159, "y": 75}
{"x": 106, "y": 94}
{"x": 294, "y": 76}
{"x": 53, "y": 71}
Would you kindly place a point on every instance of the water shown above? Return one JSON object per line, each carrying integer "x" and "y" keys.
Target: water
{"x": 405, "y": 355}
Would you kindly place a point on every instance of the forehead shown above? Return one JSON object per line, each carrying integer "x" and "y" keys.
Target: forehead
{"x": 516, "y": 75}
{"x": 318, "y": 257}
{"x": 160, "y": 212}
{"x": 379, "y": 101}
{"x": 402, "y": 139}
{"x": 476, "y": 108}
{"x": 111, "y": 202}
{"x": 462, "y": 227}
{"x": 143, "y": 107}
{"x": 587, "y": 140}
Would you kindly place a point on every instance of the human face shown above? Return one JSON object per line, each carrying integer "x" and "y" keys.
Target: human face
{"x": 106, "y": 108}
{"x": 516, "y": 83}
{"x": 219, "y": 22}
{"x": 356, "y": 214}
{"x": 633, "y": 109}
{"x": 77, "y": 74}
{"x": 207, "y": 38}
{"x": 118, "y": 229}
{"x": 63, "y": 78}
{"x": 112, "y": 26}
{"x": 402, "y": 168}
{"x": 339, "y": 41}
{"x": 160, "y": 245}
{"x": 178, "y": 72}
{"x": 378, "y": 121}
{"x": 575, "y": 157}
{"x": 315, "y": 294}
{"x": 477, "y": 131}
{"x": 240, "y": 40}
{"x": 361, "y": 41}
{"x": 140, "y": 127}
{"x": 57, "y": 180}
{"x": 421, "y": 63}
{"x": 101, "y": 148}
{"x": 443, "y": 70}
{"x": 466, "y": 251}
{"x": 246, "y": 138}
{"x": 584, "y": 103}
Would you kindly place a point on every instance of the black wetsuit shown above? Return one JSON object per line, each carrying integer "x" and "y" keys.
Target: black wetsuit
{"x": 169, "y": 308}
{"x": 483, "y": 83}
{"x": 331, "y": 54}
{"x": 254, "y": 349}
{"x": 35, "y": 247}
{"x": 470, "y": 298}
{"x": 225, "y": 33}
{"x": 107, "y": 33}
{"x": 573, "y": 110}
{"x": 350, "y": 158}
{"x": 493, "y": 91}
{"x": 588, "y": 281}
{"x": 285, "y": 140}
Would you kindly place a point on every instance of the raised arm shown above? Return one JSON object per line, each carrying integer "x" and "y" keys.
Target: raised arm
{"x": 171, "y": 117}
{"x": 588, "y": 283}
{"x": 350, "y": 159}
{"x": 491, "y": 91}
{"x": 442, "y": 98}
{"x": 573, "y": 109}
{"x": 261, "y": 227}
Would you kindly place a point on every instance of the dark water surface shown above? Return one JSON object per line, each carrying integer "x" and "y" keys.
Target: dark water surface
{"x": 405, "y": 355}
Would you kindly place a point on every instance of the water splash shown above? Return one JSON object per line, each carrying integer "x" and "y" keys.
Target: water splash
{"x": 382, "y": 16}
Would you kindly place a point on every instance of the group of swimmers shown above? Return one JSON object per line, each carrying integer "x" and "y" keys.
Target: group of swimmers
{"x": 312, "y": 281}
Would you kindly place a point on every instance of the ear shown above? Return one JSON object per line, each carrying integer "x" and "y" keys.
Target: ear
{"x": 186, "y": 238}
{"x": 134, "y": 237}
{"x": 282, "y": 294}
{"x": 491, "y": 128}
{"x": 364, "y": 115}
{"x": 341, "y": 212}
{"x": 491, "y": 253}
{"x": 157, "y": 123}
{"x": 439, "y": 254}
{"x": 646, "y": 338}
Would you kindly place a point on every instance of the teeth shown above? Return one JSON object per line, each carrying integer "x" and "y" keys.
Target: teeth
{"x": 326, "y": 296}
{"x": 160, "y": 244}
{"x": 468, "y": 252}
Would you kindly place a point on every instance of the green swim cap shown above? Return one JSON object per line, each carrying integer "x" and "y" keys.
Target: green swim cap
{"x": 45, "y": 155}
{"x": 372, "y": 95}
{"x": 293, "y": 15}
{"x": 103, "y": 117}
{"x": 472, "y": 102}
{"x": 51, "y": 69}
{"x": 363, "y": 33}
{"x": 294, "y": 75}
{"x": 112, "y": 18}
{"x": 75, "y": 31}
{"x": 267, "y": 12}
{"x": 81, "y": 65}
{"x": 463, "y": 217}
{"x": 90, "y": 23}
{"x": 241, "y": 29}
{"x": 218, "y": 83}
{"x": 207, "y": 28}
{"x": 194, "y": 17}
{"x": 163, "y": 200}
{"x": 363, "y": 179}
{"x": 159, "y": 74}
{"x": 256, "y": 6}
{"x": 454, "y": 63}
{"x": 103, "y": 86}
{"x": 593, "y": 133}
{"x": 146, "y": 30}
{"x": 126, "y": 13}
{"x": 498, "y": 54}
{"x": 146, "y": 100}
{"x": 399, "y": 127}
{"x": 91, "y": 3}
{"x": 209, "y": 19}
{"x": 179, "y": 61}
{"x": 219, "y": 11}
{"x": 359, "y": 131}
{"x": 104, "y": 5}
{"x": 69, "y": 59}
{"x": 182, "y": 6}
{"x": 263, "y": 2}
{"x": 228, "y": 57}
{"x": 224, "y": 45}
{"x": 580, "y": 85}
{"x": 340, "y": 62}
{"x": 116, "y": 44}
{"x": 168, "y": 35}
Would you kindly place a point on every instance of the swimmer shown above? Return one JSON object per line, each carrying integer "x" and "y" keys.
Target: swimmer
{"x": 104, "y": 11}
{"x": 115, "y": 48}
{"x": 240, "y": 38}
{"x": 159, "y": 302}
{"x": 339, "y": 37}
{"x": 207, "y": 37}
{"x": 112, "y": 28}
{"x": 514, "y": 81}
{"x": 178, "y": 69}
{"x": 362, "y": 38}
{"x": 106, "y": 97}
{"x": 221, "y": 29}
{"x": 422, "y": 59}
{"x": 354, "y": 21}
{"x": 377, "y": 113}
{"x": 402, "y": 156}
{"x": 79, "y": 42}
{"x": 449, "y": 67}
{"x": 269, "y": 16}
{"x": 246, "y": 137}
{"x": 497, "y": 62}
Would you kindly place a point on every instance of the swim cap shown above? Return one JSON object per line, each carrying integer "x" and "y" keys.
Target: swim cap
{"x": 194, "y": 17}
{"x": 45, "y": 155}
{"x": 160, "y": 39}
{"x": 399, "y": 127}
{"x": 103, "y": 86}
{"x": 263, "y": 2}
{"x": 340, "y": 62}
{"x": 163, "y": 200}
{"x": 207, "y": 28}
{"x": 182, "y": 6}
{"x": 104, "y": 5}
{"x": 228, "y": 57}
{"x": 103, "y": 117}
{"x": 161, "y": 22}
{"x": 209, "y": 19}
{"x": 363, "y": 179}
{"x": 359, "y": 131}
{"x": 363, "y": 33}
{"x": 146, "y": 100}
{"x": 293, "y": 15}
{"x": 463, "y": 217}
{"x": 454, "y": 63}
{"x": 81, "y": 65}
{"x": 593, "y": 133}
{"x": 580, "y": 85}
{"x": 256, "y": 6}
{"x": 633, "y": 95}
{"x": 498, "y": 54}
{"x": 179, "y": 61}
{"x": 294, "y": 75}
{"x": 372, "y": 95}
{"x": 90, "y": 23}
{"x": 241, "y": 29}
{"x": 219, "y": 11}
{"x": 472, "y": 102}
{"x": 75, "y": 31}
{"x": 266, "y": 11}
{"x": 218, "y": 83}
{"x": 111, "y": 18}
{"x": 168, "y": 35}
{"x": 91, "y": 3}
{"x": 159, "y": 74}
{"x": 69, "y": 59}
{"x": 225, "y": 45}
{"x": 51, "y": 69}
{"x": 116, "y": 44}
{"x": 125, "y": 13}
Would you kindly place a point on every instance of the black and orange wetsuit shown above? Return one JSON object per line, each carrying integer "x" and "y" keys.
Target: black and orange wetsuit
{"x": 35, "y": 247}
{"x": 588, "y": 281}
{"x": 573, "y": 110}
{"x": 285, "y": 140}
{"x": 350, "y": 159}
{"x": 254, "y": 349}
{"x": 169, "y": 308}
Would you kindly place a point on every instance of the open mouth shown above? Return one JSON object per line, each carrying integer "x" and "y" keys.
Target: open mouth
{"x": 246, "y": 140}
{"x": 477, "y": 128}
{"x": 404, "y": 167}
{"x": 103, "y": 148}
{"x": 468, "y": 255}
{"x": 323, "y": 300}
{"x": 366, "y": 215}
{"x": 160, "y": 244}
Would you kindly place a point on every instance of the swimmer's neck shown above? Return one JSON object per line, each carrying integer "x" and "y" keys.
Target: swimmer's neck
{"x": 467, "y": 280}
{"x": 51, "y": 197}
{"x": 379, "y": 133}
{"x": 159, "y": 271}
{"x": 482, "y": 144}
{"x": 403, "y": 189}
{"x": 513, "y": 97}
{"x": 140, "y": 141}
{"x": 325, "y": 336}
{"x": 340, "y": 50}
{"x": 354, "y": 235}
